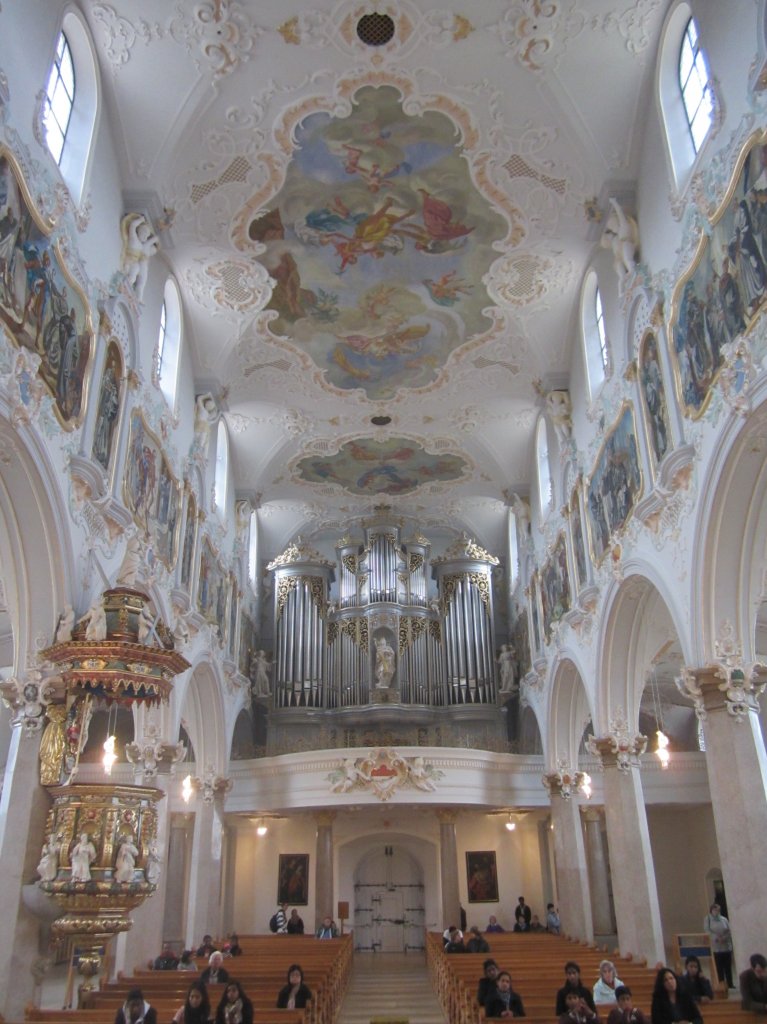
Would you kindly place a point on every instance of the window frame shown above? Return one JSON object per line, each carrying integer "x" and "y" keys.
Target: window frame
{"x": 543, "y": 467}
{"x": 221, "y": 469}
{"x": 594, "y": 336}
{"x": 699, "y": 59}
{"x": 167, "y": 359}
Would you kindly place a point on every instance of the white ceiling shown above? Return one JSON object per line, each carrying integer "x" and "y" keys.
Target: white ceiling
{"x": 548, "y": 98}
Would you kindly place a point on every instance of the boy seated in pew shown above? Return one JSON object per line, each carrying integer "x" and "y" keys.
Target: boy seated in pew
{"x": 625, "y": 1012}
{"x": 578, "y": 1010}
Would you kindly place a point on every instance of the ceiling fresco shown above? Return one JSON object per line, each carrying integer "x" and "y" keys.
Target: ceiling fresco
{"x": 377, "y": 245}
{"x": 394, "y": 466}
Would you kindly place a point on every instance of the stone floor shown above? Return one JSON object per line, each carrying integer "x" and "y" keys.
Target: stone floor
{"x": 390, "y": 985}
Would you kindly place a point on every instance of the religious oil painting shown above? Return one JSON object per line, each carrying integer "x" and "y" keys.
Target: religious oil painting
{"x": 41, "y": 307}
{"x": 520, "y": 637}
{"x": 107, "y": 413}
{"x": 212, "y": 589}
{"x": 190, "y": 532}
{"x": 394, "y": 466}
{"x": 377, "y": 244}
{"x": 578, "y": 541}
{"x": 481, "y": 876}
{"x": 616, "y": 483}
{"x": 555, "y": 586}
{"x": 293, "y": 879}
{"x": 654, "y": 398}
{"x": 724, "y": 291}
{"x": 151, "y": 491}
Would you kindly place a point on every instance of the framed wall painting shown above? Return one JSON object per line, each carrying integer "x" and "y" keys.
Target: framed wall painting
{"x": 654, "y": 403}
{"x": 577, "y": 535}
{"x": 108, "y": 409}
{"x": 42, "y": 307}
{"x": 190, "y": 533}
{"x": 481, "y": 876}
{"x": 293, "y": 879}
{"x": 725, "y": 289}
{"x": 212, "y": 588}
{"x": 615, "y": 485}
{"x": 151, "y": 491}
{"x": 555, "y": 586}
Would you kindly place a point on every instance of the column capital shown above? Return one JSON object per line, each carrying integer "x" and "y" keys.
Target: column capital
{"x": 154, "y": 753}
{"x": 619, "y": 748}
{"x": 446, "y": 816}
{"x": 717, "y": 687}
{"x": 593, "y": 814}
{"x": 211, "y": 786}
{"x": 325, "y": 819}
{"x": 564, "y": 780}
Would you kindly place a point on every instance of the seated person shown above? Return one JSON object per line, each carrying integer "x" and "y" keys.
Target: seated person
{"x": 207, "y": 947}
{"x": 572, "y": 984}
{"x": 186, "y": 963}
{"x": 476, "y": 943}
{"x": 753, "y": 985}
{"x": 553, "y": 924}
{"x": 232, "y": 947}
{"x": 493, "y": 926}
{"x": 234, "y": 1007}
{"x": 486, "y": 985}
{"x": 672, "y": 1002}
{"x": 625, "y": 1012}
{"x": 696, "y": 982}
{"x": 446, "y": 934}
{"x": 504, "y": 1002}
{"x": 295, "y": 923}
{"x": 608, "y": 981}
{"x": 136, "y": 1010}
{"x": 327, "y": 930}
{"x": 535, "y": 925}
{"x": 522, "y": 916}
{"x": 294, "y": 995}
{"x": 577, "y": 1010}
{"x": 167, "y": 960}
{"x": 455, "y": 942}
{"x": 215, "y": 973}
{"x": 196, "y": 1008}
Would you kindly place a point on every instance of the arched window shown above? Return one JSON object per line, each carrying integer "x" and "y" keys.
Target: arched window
{"x": 71, "y": 103}
{"x": 253, "y": 552}
{"x": 685, "y": 91}
{"x": 513, "y": 549}
{"x": 545, "y": 490}
{"x": 169, "y": 343}
{"x": 695, "y": 85}
{"x": 594, "y": 334}
{"x": 221, "y": 476}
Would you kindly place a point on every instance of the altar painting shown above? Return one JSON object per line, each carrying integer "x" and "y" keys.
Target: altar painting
{"x": 151, "y": 491}
{"x": 615, "y": 485}
{"x": 376, "y": 245}
{"x": 41, "y": 307}
{"x": 555, "y": 586}
{"x": 719, "y": 298}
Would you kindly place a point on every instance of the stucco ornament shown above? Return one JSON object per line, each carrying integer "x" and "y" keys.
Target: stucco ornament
{"x": 25, "y": 389}
{"x": 741, "y": 683}
{"x": 383, "y": 772}
{"x": 28, "y": 697}
{"x": 619, "y": 745}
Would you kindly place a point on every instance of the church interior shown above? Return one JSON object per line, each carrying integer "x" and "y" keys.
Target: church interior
{"x": 396, "y": 621}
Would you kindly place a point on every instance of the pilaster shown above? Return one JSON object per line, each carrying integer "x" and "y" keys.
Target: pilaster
{"x": 598, "y": 871}
{"x": 448, "y": 868}
{"x": 323, "y": 904}
{"x": 569, "y": 856}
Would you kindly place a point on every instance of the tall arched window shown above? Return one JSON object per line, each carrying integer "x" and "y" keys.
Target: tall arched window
{"x": 71, "y": 103}
{"x": 685, "y": 91}
{"x": 513, "y": 550}
{"x": 253, "y": 552}
{"x": 221, "y": 476}
{"x": 169, "y": 343}
{"x": 545, "y": 489}
{"x": 594, "y": 334}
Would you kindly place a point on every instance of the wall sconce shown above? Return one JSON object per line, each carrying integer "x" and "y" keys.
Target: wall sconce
{"x": 261, "y": 828}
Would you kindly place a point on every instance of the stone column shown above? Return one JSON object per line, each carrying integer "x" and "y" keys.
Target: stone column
{"x": 726, "y": 701}
{"x": 204, "y": 900}
{"x": 177, "y": 877}
{"x": 635, "y": 892}
{"x": 323, "y": 903}
{"x": 598, "y": 871}
{"x": 570, "y": 857}
{"x": 448, "y": 867}
{"x": 544, "y": 854}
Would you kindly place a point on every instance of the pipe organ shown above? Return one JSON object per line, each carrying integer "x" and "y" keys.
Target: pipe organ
{"x": 399, "y": 630}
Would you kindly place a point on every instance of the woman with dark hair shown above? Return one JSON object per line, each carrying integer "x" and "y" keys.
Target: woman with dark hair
{"x": 196, "y": 1008}
{"x": 136, "y": 1010}
{"x": 295, "y": 995}
{"x": 504, "y": 1002}
{"x": 671, "y": 1002}
{"x": 234, "y": 1006}
{"x": 696, "y": 982}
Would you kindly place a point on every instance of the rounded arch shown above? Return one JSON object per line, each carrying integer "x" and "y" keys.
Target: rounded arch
{"x": 530, "y": 738}
{"x": 728, "y": 564}
{"x": 202, "y": 714}
{"x": 244, "y": 740}
{"x": 594, "y": 339}
{"x": 569, "y": 712}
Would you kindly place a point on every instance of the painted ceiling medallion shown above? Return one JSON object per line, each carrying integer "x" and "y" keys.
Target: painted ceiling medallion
{"x": 377, "y": 244}
{"x": 366, "y": 467}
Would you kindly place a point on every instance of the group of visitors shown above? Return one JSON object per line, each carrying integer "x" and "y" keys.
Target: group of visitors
{"x": 234, "y": 1006}
{"x": 526, "y": 921}
{"x": 283, "y": 924}
{"x": 168, "y": 960}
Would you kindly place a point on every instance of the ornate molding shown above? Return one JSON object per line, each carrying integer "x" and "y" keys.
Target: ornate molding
{"x": 211, "y": 785}
{"x": 566, "y": 781}
{"x": 382, "y": 772}
{"x": 620, "y": 747}
{"x": 728, "y": 682}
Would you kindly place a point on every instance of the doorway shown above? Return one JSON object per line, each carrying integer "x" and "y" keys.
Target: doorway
{"x": 389, "y": 911}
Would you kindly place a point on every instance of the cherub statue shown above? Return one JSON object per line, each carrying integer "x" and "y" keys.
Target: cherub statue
{"x": 97, "y": 621}
{"x": 621, "y": 234}
{"x": 139, "y": 244}
{"x": 558, "y": 408}
{"x": 65, "y": 625}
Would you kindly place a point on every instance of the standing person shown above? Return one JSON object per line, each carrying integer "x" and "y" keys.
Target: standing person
{"x": 234, "y": 1006}
{"x": 504, "y": 1002}
{"x": 753, "y": 985}
{"x": 136, "y": 1010}
{"x": 625, "y": 1012}
{"x": 672, "y": 1002}
{"x": 572, "y": 984}
{"x": 279, "y": 920}
{"x": 196, "y": 1008}
{"x": 522, "y": 916}
{"x": 718, "y": 928}
{"x": 296, "y": 994}
{"x": 295, "y": 923}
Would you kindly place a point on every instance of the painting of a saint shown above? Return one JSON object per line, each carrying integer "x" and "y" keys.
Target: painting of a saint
{"x": 190, "y": 529}
{"x": 108, "y": 406}
{"x": 615, "y": 484}
{"x": 40, "y": 305}
{"x": 718, "y": 299}
{"x": 293, "y": 879}
{"x": 212, "y": 589}
{"x": 555, "y": 586}
{"x": 151, "y": 491}
{"x": 481, "y": 877}
{"x": 654, "y": 398}
{"x": 576, "y": 532}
